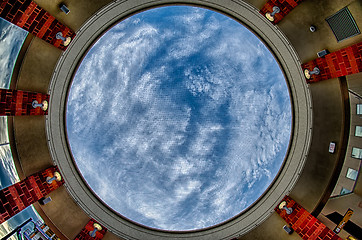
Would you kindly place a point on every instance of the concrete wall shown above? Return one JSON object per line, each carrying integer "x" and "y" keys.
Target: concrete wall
{"x": 341, "y": 204}
{"x": 39, "y": 60}
{"x": 327, "y": 127}
{"x": 311, "y": 12}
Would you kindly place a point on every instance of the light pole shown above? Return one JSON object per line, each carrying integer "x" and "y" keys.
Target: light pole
{"x": 270, "y": 16}
{"x": 308, "y": 74}
{"x": 283, "y": 205}
{"x": 43, "y": 105}
{"x": 66, "y": 40}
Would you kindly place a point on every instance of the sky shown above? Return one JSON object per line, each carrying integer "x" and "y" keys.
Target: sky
{"x": 179, "y": 118}
{"x": 11, "y": 40}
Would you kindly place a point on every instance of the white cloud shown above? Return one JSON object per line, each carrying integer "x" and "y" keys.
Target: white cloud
{"x": 5, "y": 228}
{"x": 4, "y": 137}
{"x": 185, "y": 122}
{"x": 183, "y": 190}
{"x": 11, "y": 40}
{"x": 7, "y": 163}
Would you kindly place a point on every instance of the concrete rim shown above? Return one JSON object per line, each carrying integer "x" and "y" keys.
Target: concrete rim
{"x": 264, "y": 206}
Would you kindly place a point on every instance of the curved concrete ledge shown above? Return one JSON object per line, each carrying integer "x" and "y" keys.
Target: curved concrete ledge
{"x": 254, "y": 215}
{"x": 321, "y": 167}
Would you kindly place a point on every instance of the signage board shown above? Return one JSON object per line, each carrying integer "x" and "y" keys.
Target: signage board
{"x": 332, "y": 147}
{"x": 345, "y": 219}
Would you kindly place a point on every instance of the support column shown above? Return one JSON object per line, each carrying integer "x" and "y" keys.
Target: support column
{"x": 16, "y": 102}
{"x": 285, "y": 6}
{"x": 32, "y": 18}
{"x": 302, "y": 222}
{"x": 92, "y": 231}
{"x": 19, "y": 196}
{"x": 336, "y": 64}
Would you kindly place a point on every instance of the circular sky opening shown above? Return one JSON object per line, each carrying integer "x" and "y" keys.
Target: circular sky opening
{"x": 179, "y": 118}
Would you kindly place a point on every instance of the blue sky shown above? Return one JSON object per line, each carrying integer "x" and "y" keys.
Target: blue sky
{"x": 179, "y": 118}
{"x": 11, "y": 40}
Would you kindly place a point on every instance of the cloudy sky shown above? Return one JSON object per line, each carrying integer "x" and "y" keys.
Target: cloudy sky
{"x": 11, "y": 40}
{"x": 179, "y": 118}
